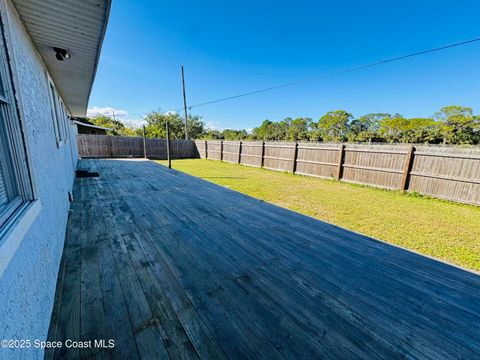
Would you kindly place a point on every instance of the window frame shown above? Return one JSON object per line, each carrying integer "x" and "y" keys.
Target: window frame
{"x": 16, "y": 173}
{"x": 57, "y": 126}
{"x": 59, "y": 114}
{"x": 64, "y": 119}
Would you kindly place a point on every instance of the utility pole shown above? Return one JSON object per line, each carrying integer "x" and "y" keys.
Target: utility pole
{"x": 184, "y": 104}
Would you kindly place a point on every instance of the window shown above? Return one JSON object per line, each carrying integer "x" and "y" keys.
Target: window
{"x": 59, "y": 116}
{"x": 57, "y": 125}
{"x": 64, "y": 119}
{"x": 15, "y": 185}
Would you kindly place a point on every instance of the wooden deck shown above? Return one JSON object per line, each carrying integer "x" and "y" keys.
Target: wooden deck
{"x": 171, "y": 266}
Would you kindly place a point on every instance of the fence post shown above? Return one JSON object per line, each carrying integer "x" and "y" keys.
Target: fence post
{"x": 221, "y": 150}
{"x": 168, "y": 145}
{"x": 407, "y": 167}
{"x": 341, "y": 156}
{"x": 263, "y": 154}
{"x": 239, "y": 152}
{"x": 206, "y": 151}
{"x": 295, "y": 154}
{"x": 144, "y": 144}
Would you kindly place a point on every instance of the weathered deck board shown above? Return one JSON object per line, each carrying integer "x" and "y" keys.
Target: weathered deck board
{"x": 171, "y": 266}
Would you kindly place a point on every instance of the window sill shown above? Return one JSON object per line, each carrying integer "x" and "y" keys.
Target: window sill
{"x": 16, "y": 231}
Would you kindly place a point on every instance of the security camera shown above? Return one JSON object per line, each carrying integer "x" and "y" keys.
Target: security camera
{"x": 61, "y": 54}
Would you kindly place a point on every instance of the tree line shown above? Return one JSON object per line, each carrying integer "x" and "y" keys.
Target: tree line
{"x": 451, "y": 125}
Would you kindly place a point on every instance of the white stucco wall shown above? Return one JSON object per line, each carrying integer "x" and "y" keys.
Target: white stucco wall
{"x": 27, "y": 286}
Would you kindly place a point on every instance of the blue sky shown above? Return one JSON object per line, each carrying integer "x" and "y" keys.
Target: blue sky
{"x": 232, "y": 47}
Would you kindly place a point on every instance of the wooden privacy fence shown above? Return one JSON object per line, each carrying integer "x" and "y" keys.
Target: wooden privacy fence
{"x": 103, "y": 146}
{"x": 450, "y": 173}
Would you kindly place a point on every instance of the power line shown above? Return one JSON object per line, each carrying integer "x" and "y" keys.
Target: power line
{"x": 356, "y": 68}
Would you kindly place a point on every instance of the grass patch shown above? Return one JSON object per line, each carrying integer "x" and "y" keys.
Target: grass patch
{"x": 438, "y": 228}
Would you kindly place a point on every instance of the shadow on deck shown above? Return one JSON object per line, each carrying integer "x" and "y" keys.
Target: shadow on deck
{"x": 168, "y": 265}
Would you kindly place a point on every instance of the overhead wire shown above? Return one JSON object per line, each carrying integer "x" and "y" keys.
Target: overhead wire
{"x": 332, "y": 74}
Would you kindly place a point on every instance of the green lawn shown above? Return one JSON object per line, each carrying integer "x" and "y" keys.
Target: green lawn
{"x": 441, "y": 229}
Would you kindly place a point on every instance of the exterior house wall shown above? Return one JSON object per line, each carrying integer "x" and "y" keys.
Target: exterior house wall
{"x": 27, "y": 284}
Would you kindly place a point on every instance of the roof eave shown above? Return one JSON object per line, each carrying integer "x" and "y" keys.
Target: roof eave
{"x": 78, "y": 27}
{"x": 92, "y": 126}
{"x": 97, "y": 60}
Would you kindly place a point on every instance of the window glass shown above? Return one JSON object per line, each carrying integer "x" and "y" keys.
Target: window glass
{"x": 8, "y": 183}
{"x": 2, "y": 90}
{"x": 3, "y": 189}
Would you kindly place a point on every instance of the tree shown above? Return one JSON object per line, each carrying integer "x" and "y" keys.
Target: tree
{"x": 419, "y": 130}
{"x": 315, "y": 133}
{"x": 477, "y": 129}
{"x": 392, "y": 128}
{"x": 334, "y": 125}
{"x": 366, "y": 127}
{"x": 212, "y": 134}
{"x": 280, "y": 129}
{"x": 195, "y": 126}
{"x": 299, "y": 129}
{"x": 263, "y": 131}
{"x": 230, "y": 134}
{"x": 270, "y": 130}
{"x": 156, "y": 125}
{"x": 452, "y": 124}
{"x": 457, "y": 125}
{"x": 118, "y": 128}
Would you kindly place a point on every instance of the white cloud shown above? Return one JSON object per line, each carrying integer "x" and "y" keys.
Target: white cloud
{"x": 121, "y": 115}
{"x": 213, "y": 125}
{"x": 134, "y": 123}
{"x": 171, "y": 112}
{"x": 107, "y": 110}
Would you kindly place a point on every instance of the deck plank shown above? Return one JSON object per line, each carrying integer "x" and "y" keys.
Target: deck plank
{"x": 68, "y": 316}
{"x": 118, "y": 324}
{"x": 172, "y": 266}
